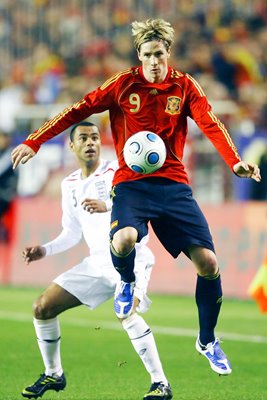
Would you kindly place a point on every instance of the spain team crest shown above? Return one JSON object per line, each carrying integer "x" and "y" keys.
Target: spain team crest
{"x": 173, "y": 105}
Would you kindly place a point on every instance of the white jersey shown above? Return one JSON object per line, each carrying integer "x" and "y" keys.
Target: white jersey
{"x": 75, "y": 220}
{"x": 95, "y": 228}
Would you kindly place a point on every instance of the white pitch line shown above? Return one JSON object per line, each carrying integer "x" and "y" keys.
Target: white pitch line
{"x": 162, "y": 330}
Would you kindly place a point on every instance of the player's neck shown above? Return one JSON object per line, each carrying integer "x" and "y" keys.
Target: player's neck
{"x": 89, "y": 169}
{"x": 155, "y": 79}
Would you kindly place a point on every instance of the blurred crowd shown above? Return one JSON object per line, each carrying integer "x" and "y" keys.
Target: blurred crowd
{"x": 56, "y": 51}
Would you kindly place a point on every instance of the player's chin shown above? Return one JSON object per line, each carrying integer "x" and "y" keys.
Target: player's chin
{"x": 90, "y": 156}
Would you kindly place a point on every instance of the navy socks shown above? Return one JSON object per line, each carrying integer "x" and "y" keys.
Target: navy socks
{"x": 208, "y": 300}
{"x": 124, "y": 264}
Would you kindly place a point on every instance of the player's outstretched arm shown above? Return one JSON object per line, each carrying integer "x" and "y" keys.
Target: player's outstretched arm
{"x": 246, "y": 170}
{"x": 33, "y": 254}
{"x": 22, "y": 153}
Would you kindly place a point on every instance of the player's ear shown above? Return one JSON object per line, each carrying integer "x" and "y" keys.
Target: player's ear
{"x": 71, "y": 145}
{"x": 139, "y": 56}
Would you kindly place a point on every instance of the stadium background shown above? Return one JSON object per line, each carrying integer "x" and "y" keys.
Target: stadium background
{"x": 52, "y": 53}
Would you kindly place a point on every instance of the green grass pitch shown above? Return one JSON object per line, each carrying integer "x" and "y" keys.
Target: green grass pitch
{"x": 100, "y": 363}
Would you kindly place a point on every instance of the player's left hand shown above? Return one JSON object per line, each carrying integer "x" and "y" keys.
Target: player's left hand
{"x": 94, "y": 206}
{"x": 246, "y": 170}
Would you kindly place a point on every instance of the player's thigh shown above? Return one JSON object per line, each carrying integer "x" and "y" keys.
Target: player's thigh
{"x": 58, "y": 299}
{"x": 93, "y": 281}
{"x": 183, "y": 224}
{"x": 128, "y": 210}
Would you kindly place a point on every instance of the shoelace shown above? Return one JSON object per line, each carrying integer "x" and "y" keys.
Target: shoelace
{"x": 122, "y": 286}
{"x": 215, "y": 348}
{"x": 155, "y": 386}
{"x": 40, "y": 381}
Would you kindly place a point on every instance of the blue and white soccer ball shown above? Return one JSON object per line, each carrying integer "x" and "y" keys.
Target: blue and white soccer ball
{"x": 144, "y": 152}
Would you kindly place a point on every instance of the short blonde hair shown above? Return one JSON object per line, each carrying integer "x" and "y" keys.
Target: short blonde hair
{"x": 152, "y": 29}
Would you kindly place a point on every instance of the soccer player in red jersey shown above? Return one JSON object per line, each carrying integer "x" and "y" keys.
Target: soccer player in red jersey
{"x": 156, "y": 97}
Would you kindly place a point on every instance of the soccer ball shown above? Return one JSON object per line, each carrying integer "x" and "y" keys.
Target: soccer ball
{"x": 144, "y": 152}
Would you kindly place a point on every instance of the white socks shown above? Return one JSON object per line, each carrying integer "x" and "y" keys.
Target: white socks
{"x": 144, "y": 344}
{"x": 48, "y": 336}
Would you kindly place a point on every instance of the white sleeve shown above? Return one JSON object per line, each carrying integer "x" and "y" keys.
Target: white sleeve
{"x": 71, "y": 233}
{"x": 64, "y": 241}
{"x": 108, "y": 204}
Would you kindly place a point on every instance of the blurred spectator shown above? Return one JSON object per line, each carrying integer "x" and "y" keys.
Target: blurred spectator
{"x": 8, "y": 192}
{"x": 215, "y": 37}
{"x": 259, "y": 192}
{"x": 8, "y": 188}
{"x": 11, "y": 100}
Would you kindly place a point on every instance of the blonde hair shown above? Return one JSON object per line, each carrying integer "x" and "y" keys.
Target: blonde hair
{"x": 152, "y": 29}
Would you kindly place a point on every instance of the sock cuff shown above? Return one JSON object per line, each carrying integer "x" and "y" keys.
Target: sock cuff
{"x": 48, "y": 329}
{"x": 211, "y": 277}
{"x": 116, "y": 254}
{"x": 136, "y": 327}
{"x": 41, "y": 322}
{"x": 49, "y": 340}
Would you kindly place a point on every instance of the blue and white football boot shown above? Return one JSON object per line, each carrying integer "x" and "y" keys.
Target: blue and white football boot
{"x": 218, "y": 361}
{"x": 124, "y": 299}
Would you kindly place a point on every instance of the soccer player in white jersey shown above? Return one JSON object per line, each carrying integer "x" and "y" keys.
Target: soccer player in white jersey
{"x": 86, "y": 211}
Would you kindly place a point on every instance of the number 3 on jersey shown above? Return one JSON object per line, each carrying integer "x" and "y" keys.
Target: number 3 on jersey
{"x": 74, "y": 198}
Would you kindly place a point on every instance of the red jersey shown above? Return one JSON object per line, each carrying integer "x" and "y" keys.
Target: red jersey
{"x": 134, "y": 105}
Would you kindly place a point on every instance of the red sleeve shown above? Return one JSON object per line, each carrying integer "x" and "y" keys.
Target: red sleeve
{"x": 201, "y": 112}
{"x": 71, "y": 115}
{"x": 94, "y": 102}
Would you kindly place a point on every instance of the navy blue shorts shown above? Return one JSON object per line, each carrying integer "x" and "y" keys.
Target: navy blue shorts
{"x": 170, "y": 208}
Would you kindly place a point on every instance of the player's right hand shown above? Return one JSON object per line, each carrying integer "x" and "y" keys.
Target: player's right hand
{"x": 94, "y": 206}
{"x": 33, "y": 253}
{"x": 22, "y": 153}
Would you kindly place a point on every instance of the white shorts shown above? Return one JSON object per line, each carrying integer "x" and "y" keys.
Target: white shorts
{"x": 94, "y": 280}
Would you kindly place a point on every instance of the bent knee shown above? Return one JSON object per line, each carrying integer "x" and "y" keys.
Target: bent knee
{"x": 42, "y": 309}
{"x": 124, "y": 240}
{"x": 205, "y": 261}
{"x": 209, "y": 266}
